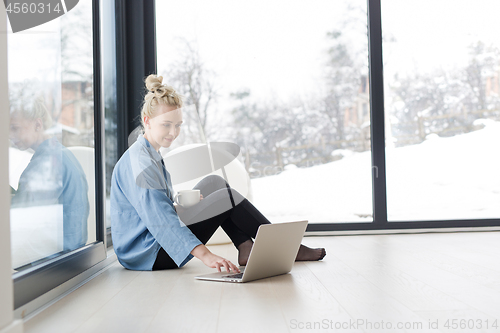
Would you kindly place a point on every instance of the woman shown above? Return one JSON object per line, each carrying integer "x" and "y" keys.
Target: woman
{"x": 53, "y": 176}
{"x": 146, "y": 225}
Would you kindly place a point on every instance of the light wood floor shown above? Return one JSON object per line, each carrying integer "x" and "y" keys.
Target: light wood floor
{"x": 379, "y": 280}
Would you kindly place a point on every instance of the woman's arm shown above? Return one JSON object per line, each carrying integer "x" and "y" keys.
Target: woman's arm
{"x": 212, "y": 260}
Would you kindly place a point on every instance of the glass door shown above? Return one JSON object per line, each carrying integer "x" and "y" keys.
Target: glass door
{"x": 55, "y": 150}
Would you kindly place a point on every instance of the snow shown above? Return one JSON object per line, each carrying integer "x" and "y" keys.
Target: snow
{"x": 483, "y": 122}
{"x": 342, "y": 153}
{"x": 440, "y": 179}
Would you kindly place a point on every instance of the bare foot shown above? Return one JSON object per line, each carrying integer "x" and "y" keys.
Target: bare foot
{"x": 307, "y": 254}
{"x": 244, "y": 251}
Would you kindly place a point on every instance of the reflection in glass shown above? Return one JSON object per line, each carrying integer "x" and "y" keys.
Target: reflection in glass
{"x": 53, "y": 176}
{"x": 51, "y": 158}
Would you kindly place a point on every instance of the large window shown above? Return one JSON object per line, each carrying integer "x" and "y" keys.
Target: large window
{"x": 288, "y": 82}
{"x": 294, "y": 84}
{"x": 51, "y": 156}
{"x": 442, "y": 94}
{"x": 347, "y": 134}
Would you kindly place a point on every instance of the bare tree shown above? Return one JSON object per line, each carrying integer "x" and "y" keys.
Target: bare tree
{"x": 342, "y": 76}
{"x": 484, "y": 62}
{"x": 190, "y": 76}
{"x": 445, "y": 99}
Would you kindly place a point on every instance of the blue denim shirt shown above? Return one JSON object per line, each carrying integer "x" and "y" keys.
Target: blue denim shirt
{"x": 54, "y": 176}
{"x": 143, "y": 218}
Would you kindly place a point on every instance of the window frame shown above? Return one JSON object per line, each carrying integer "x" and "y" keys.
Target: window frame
{"x": 379, "y": 184}
{"x": 135, "y": 36}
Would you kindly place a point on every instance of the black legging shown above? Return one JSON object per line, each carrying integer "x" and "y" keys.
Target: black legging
{"x": 240, "y": 221}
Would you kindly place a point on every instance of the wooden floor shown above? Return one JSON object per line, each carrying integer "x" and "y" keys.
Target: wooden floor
{"x": 373, "y": 283}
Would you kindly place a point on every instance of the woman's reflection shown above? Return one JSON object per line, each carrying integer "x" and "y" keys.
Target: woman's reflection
{"x": 53, "y": 176}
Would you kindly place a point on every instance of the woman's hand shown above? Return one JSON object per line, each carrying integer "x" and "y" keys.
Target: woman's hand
{"x": 201, "y": 197}
{"x": 212, "y": 260}
{"x": 218, "y": 262}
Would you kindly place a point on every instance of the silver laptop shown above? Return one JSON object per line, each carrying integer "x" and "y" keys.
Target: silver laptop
{"x": 273, "y": 253}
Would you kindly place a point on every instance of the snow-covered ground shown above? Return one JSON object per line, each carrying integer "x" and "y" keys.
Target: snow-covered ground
{"x": 440, "y": 179}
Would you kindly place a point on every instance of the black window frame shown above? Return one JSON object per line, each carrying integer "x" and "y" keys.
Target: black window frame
{"x": 135, "y": 36}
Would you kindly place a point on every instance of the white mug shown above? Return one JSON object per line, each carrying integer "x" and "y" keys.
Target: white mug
{"x": 187, "y": 198}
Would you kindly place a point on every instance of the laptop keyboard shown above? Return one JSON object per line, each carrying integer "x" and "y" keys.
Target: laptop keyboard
{"x": 234, "y": 276}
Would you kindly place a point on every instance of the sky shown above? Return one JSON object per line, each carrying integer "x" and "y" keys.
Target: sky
{"x": 35, "y": 54}
{"x": 277, "y": 48}
{"x": 45, "y": 39}
{"x": 431, "y": 34}
{"x": 272, "y": 47}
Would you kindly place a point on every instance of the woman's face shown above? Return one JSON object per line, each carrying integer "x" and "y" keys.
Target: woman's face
{"x": 24, "y": 133}
{"x": 165, "y": 127}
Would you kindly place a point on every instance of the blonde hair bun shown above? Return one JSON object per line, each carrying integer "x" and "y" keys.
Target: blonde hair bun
{"x": 154, "y": 85}
{"x": 153, "y": 82}
{"x": 158, "y": 94}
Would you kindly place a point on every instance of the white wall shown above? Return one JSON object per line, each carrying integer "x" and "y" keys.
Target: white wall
{"x": 7, "y": 323}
